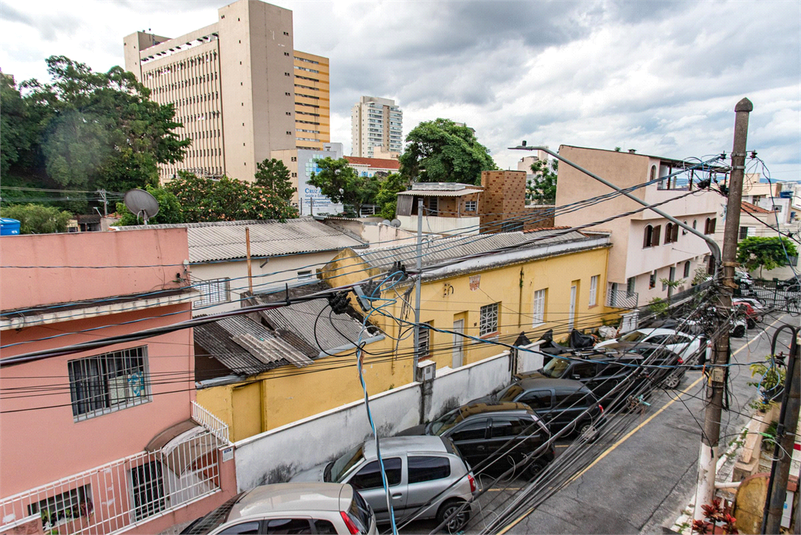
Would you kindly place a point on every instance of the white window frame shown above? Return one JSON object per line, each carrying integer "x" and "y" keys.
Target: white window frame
{"x": 594, "y": 290}
{"x": 304, "y": 275}
{"x": 488, "y": 319}
{"x": 538, "y": 312}
{"x": 214, "y": 291}
{"x": 109, "y": 382}
{"x": 471, "y": 206}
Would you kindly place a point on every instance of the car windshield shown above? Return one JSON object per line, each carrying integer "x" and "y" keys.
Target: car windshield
{"x": 445, "y": 422}
{"x": 211, "y": 521}
{"x": 555, "y": 368}
{"x": 635, "y": 336}
{"x": 341, "y": 466}
{"x": 510, "y": 393}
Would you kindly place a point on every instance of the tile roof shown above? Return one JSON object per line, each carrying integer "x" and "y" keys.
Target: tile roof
{"x": 225, "y": 240}
{"x": 439, "y": 250}
{"x": 754, "y": 209}
{"x": 378, "y": 163}
{"x": 246, "y": 347}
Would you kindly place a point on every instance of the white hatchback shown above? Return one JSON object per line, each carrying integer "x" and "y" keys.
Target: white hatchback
{"x": 684, "y": 345}
{"x": 328, "y": 508}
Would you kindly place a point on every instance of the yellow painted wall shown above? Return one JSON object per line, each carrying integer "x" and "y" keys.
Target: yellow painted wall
{"x": 289, "y": 393}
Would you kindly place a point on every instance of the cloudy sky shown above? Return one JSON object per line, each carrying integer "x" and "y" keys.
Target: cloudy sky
{"x": 660, "y": 77}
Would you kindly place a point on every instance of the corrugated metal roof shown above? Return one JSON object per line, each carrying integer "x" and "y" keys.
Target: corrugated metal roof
{"x": 332, "y": 330}
{"x": 439, "y": 193}
{"x": 225, "y": 240}
{"x": 247, "y": 347}
{"x": 440, "y": 250}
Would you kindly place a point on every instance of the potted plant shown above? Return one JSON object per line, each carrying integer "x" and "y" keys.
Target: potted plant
{"x": 718, "y": 519}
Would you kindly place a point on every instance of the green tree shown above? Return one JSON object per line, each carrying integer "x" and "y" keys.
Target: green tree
{"x": 443, "y": 151}
{"x": 19, "y": 128}
{"x": 274, "y": 175}
{"x": 227, "y": 199}
{"x": 100, "y": 130}
{"x": 764, "y": 252}
{"x": 387, "y": 196}
{"x": 169, "y": 209}
{"x": 37, "y": 219}
{"x": 542, "y": 188}
{"x": 341, "y": 183}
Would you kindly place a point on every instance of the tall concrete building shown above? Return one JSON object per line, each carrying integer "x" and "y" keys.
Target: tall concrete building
{"x": 233, "y": 84}
{"x": 376, "y": 122}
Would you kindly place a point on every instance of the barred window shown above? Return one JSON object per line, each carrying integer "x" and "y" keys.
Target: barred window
{"x": 488, "y": 320}
{"x": 64, "y": 507}
{"x": 147, "y": 485}
{"x": 424, "y": 340}
{"x": 108, "y": 382}
{"x": 213, "y": 291}
{"x": 470, "y": 206}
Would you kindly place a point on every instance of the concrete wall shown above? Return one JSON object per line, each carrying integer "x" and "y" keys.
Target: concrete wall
{"x": 92, "y": 265}
{"x": 441, "y": 225}
{"x": 276, "y": 455}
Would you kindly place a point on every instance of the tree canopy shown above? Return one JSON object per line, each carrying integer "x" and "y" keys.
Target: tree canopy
{"x": 274, "y": 175}
{"x": 764, "y": 252}
{"x": 87, "y": 130}
{"x": 37, "y": 218}
{"x": 542, "y": 188}
{"x": 341, "y": 183}
{"x": 443, "y": 151}
{"x": 387, "y": 196}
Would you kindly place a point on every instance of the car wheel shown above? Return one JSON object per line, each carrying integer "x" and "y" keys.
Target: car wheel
{"x": 536, "y": 466}
{"x": 454, "y": 515}
{"x": 739, "y": 331}
{"x": 672, "y": 381}
{"x": 588, "y": 432}
{"x": 751, "y": 323}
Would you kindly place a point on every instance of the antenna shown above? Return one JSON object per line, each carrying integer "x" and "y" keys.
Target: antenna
{"x": 395, "y": 223}
{"x": 141, "y": 202}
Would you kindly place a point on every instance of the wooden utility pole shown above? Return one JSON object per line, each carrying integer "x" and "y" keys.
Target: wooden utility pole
{"x": 707, "y": 461}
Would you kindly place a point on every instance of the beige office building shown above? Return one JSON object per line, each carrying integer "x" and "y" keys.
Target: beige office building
{"x": 233, "y": 87}
{"x": 376, "y": 126}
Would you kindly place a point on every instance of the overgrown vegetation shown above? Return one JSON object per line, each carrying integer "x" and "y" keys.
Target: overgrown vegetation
{"x": 771, "y": 384}
{"x": 37, "y": 219}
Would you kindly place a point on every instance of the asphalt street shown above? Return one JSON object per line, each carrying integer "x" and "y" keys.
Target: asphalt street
{"x": 642, "y": 478}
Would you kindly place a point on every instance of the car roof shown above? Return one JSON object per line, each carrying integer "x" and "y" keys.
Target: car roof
{"x": 281, "y": 497}
{"x": 547, "y": 382}
{"x": 484, "y": 408}
{"x": 650, "y": 331}
{"x": 400, "y": 445}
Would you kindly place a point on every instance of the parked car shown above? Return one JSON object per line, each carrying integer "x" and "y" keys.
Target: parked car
{"x": 604, "y": 370}
{"x": 493, "y": 435}
{"x": 683, "y": 344}
{"x": 427, "y": 477}
{"x": 290, "y": 508}
{"x": 752, "y": 313}
{"x": 559, "y": 403}
{"x": 793, "y": 284}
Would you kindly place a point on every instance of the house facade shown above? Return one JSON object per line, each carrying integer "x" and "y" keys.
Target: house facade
{"x": 97, "y": 386}
{"x": 650, "y": 252}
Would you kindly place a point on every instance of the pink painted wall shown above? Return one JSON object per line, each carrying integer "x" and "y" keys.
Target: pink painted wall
{"x": 39, "y": 440}
{"x": 165, "y": 249}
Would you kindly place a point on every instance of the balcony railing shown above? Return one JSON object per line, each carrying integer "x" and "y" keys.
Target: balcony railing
{"x": 216, "y": 426}
{"x": 621, "y": 299}
{"x": 118, "y": 495}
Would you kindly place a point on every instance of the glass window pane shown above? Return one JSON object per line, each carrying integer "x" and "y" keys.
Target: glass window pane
{"x": 428, "y": 468}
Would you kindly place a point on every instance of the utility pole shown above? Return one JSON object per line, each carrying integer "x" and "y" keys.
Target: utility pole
{"x": 707, "y": 461}
{"x": 417, "y": 287}
{"x": 785, "y": 439}
{"x": 103, "y": 197}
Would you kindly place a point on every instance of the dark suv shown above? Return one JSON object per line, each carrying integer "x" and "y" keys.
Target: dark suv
{"x": 559, "y": 403}
{"x": 508, "y": 432}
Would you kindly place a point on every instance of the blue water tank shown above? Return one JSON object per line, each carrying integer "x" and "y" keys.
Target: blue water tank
{"x": 8, "y": 227}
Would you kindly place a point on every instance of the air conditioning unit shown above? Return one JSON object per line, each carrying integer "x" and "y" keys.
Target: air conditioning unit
{"x": 426, "y": 371}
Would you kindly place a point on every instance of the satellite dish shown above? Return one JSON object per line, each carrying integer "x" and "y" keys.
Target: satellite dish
{"x": 141, "y": 203}
{"x": 396, "y": 223}
{"x": 385, "y": 222}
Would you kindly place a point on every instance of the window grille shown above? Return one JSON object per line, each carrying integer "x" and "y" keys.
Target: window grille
{"x": 488, "y": 320}
{"x": 424, "y": 340}
{"x": 470, "y": 206}
{"x": 594, "y": 290}
{"x": 538, "y": 315}
{"x": 213, "y": 291}
{"x": 148, "y": 490}
{"x": 64, "y": 507}
{"x": 108, "y": 382}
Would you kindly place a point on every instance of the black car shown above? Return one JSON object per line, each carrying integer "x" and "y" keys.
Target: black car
{"x": 482, "y": 432}
{"x": 793, "y": 284}
{"x": 663, "y": 367}
{"x": 560, "y": 403}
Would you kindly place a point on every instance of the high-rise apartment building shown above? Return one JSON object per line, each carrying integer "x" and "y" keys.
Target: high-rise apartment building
{"x": 233, "y": 84}
{"x": 376, "y": 122}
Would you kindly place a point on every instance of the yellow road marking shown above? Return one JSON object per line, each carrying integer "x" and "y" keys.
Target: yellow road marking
{"x": 614, "y": 446}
